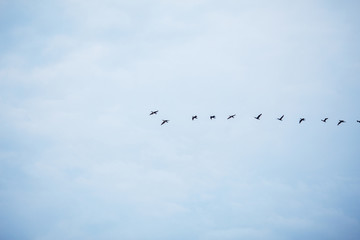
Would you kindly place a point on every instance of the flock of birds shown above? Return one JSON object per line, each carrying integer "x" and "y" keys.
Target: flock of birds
{"x": 257, "y": 118}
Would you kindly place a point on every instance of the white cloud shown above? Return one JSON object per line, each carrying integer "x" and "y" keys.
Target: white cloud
{"x": 91, "y": 163}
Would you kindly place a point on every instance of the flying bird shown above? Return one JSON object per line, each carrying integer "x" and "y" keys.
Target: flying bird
{"x": 281, "y": 118}
{"x": 154, "y": 112}
{"x": 194, "y": 117}
{"x": 164, "y": 121}
{"x": 258, "y": 117}
{"x": 340, "y": 122}
{"x": 212, "y": 117}
{"x": 301, "y": 120}
{"x": 231, "y": 116}
{"x": 358, "y": 121}
{"x": 324, "y": 120}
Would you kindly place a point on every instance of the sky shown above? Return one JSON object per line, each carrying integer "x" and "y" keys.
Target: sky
{"x": 80, "y": 157}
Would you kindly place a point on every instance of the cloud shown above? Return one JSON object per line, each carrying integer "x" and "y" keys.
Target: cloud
{"x": 81, "y": 157}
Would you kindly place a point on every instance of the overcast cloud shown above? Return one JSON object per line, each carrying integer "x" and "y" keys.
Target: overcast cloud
{"x": 80, "y": 157}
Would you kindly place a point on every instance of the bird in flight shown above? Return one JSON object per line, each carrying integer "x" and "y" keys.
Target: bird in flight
{"x": 340, "y": 122}
{"x": 358, "y": 121}
{"x": 164, "y": 121}
{"x": 231, "y": 116}
{"x": 194, "y": 117}
{"x": 324, "y": 120}
{"x": 212, "y": 117}
{"x": 258, "y": 117}
{"x": 281, "y": 118}
{"x": 301, "y": 120}
{"x": 154, "y": 112}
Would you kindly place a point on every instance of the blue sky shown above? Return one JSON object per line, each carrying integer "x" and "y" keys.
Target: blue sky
{"x": 80, "y": 157}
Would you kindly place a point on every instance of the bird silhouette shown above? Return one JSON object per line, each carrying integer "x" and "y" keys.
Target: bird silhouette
{"x": 231, "y": 116}
{"x": 212, "y": 117}
{"x": 258, "y": 117}
{"x": 164, "y": 121}
{"x": 154, "y": 112}
{"x": 340, "y": 122}
{"x": 301, "y": 120}
{"x": 324, "y": 120}
{"x": 194, "y": 117}
{"x": 281, "y": 118}
{"x": 358, "y": 121}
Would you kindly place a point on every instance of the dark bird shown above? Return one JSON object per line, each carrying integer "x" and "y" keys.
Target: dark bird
{"x": 324, "y": 120}
{"x": 258, "y": 117}
{"x": 194, "y": 117}
{"x": 281, "y": 118}
{"x": 301, "y": 120}
{"x": 212, "y": 117}
{"x": 340, "y": 122}
{"x": 154, "y": 112}
{"x": 231, "y": 116}
{"x": 164, "y": 121}
{"x": 358, "y": 121}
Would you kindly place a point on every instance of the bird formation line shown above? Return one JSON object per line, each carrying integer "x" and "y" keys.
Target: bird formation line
{"x": 212, "y": 117}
